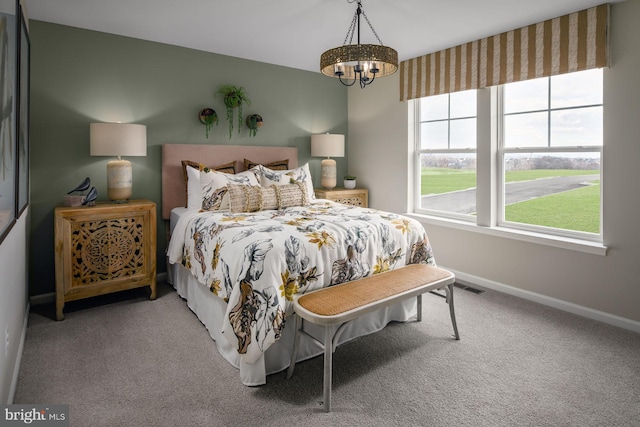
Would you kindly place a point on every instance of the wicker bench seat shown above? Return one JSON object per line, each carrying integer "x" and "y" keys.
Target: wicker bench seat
{"x": 341, "y": 303}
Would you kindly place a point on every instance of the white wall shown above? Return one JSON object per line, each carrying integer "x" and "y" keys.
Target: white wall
{"x": 377, "y": 144}
{"x": 608, "y": 285}
{"x": 13, "y": 303}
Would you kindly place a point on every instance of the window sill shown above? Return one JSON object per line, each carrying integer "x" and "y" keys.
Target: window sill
{"x": 586, "y": 246}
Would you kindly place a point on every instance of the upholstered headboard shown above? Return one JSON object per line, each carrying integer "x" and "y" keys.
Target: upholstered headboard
{"x": 173, "y": 185}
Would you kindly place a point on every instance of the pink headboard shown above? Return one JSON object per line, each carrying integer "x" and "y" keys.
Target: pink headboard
{"x": 173, "y": 185}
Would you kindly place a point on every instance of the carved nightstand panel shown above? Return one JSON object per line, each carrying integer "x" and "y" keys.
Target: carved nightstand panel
{"x": 107, "y": 250}
{"x": 354, "y": 197}
{"x": 103, "y": 249}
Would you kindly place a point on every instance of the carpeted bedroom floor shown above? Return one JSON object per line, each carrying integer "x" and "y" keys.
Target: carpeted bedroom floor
{"x": 122, "y": 360}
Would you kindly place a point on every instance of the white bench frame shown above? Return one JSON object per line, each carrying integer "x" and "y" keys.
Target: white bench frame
{"x": 341, "y": 319}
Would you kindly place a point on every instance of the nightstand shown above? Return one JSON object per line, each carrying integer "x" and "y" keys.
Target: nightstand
{"x": 354, "y": 197}
{"x": 104, "y": 248}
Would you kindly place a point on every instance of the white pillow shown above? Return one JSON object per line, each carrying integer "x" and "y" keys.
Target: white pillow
{"x": 270, "y": 177}
{"x": 215, "y": 187}
{"x": 194, "y": 191}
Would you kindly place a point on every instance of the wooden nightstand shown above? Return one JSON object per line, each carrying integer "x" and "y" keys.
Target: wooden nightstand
{"x": 354, "y": 197}
{"x": 104, "y": 248}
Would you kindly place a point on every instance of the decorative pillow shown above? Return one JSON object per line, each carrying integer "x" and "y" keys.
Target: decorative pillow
{"x": 194, "y": 191}
{"x": 226, "y": 168}
{"x": 270, "y": 177}
{"x": 245, "y": 198}
{"x": 192, "y": 180}
{"x": 280, "y": 165}
{"x": 215, "y": 187}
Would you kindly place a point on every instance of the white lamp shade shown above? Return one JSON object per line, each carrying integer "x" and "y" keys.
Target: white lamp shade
{"x": 327, "y": 145}
{"x": 117, "y": 139}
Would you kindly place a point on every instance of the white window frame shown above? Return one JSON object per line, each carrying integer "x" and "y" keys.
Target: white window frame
{"x": 418, "y": 150}
{"x": 490, "y": 185}
{"x": 502, "y": 151}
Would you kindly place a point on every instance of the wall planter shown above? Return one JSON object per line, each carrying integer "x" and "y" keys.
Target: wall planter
{"x": 234, "y": 97}
{"x": 254, "y": 122}
{"x": 208, "y": 117}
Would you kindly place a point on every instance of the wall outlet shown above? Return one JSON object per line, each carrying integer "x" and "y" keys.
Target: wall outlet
{"x": 6, "y": 341}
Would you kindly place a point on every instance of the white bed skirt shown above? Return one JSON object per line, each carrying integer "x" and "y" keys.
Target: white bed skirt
{"x": 210, "y": 310}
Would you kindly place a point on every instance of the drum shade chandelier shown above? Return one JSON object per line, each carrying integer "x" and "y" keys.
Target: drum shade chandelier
{"x": 359, "y": 62}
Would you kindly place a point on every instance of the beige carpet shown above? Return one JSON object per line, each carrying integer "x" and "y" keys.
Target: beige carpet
{"x": 121, "y": 360}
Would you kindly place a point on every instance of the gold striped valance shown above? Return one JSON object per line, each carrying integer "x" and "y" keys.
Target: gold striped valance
{"x": 574, "y": 42}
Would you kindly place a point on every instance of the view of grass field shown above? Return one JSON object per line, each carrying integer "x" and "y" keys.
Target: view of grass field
{"x": 444, "y": 180}
{"x": 577, "y": 209}
{"x": 571, "y": 210}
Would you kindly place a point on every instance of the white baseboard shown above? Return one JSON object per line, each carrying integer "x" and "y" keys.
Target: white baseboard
{"x": 16, "y": 367}
{"x": 611, "y": 319}
{"x": 50, "y": 297}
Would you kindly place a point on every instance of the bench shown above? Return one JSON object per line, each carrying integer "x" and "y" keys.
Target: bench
{"x": 338, "y": 304}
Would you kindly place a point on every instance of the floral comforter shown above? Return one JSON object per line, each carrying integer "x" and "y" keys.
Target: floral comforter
{"x": 258, "y": 261}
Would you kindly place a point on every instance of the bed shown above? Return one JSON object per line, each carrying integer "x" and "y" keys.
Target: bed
{"x": 264, "y": 237}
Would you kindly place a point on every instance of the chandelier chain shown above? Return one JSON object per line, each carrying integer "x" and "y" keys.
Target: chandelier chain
{"x": 351, "y": 30}
{"x": 371, "y": 26}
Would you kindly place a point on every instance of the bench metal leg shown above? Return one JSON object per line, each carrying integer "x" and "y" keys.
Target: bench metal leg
{"x": 328, "y": 356}
{"x": 449, "y": 292}
{"x": 329, "y": 339}
{"x": 296, "y": 345}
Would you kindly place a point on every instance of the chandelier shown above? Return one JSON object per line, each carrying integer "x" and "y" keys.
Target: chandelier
{"x": 359, "y": 62}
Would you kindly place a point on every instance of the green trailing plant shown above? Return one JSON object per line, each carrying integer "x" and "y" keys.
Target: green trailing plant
{"x": 254, "y": 122}
{"x": 208, "y": 117}
{"x": 349, "y": 177}
{"x": 234, "y": 97}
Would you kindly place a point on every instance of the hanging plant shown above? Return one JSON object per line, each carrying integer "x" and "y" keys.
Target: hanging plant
{"x": 208, "y": 117}
{"x": 234, "y": 97}
{"x": 253, "y": 122}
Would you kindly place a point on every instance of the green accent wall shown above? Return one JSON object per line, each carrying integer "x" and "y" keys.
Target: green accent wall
{"x": 80, "y": 76}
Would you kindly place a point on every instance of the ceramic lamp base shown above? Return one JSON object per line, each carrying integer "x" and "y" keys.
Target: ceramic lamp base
{"x": 328, "y": 174}
{"x": 119, "y": 180}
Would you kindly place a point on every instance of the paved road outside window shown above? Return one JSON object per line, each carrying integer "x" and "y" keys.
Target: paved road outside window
{"x": 464, "y": 201}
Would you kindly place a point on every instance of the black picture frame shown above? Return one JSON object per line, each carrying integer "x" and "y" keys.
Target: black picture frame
{"x": 8, "y": 145}
{"x": 23, "y": 74}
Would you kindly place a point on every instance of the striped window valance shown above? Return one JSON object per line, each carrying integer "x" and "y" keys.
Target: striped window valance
{"x": 574, "y": 42}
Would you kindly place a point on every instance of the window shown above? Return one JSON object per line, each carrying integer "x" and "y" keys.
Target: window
{"x": 549, "y": 146}
{"x": 447, "y": 154}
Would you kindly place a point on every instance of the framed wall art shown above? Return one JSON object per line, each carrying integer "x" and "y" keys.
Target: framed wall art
{"x": 8, "y": 45}
{"x": 22, "y": 155}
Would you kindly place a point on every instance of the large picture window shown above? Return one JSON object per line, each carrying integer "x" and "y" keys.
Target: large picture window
{"x": 548, "y": 147}
{"x": 447, "y": 154}
{"x": 551, "y": 153}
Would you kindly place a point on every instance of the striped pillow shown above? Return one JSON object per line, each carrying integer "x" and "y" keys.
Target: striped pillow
{"x": 245, "y": 198}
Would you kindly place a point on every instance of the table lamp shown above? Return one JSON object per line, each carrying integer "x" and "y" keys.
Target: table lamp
{"x": 118, "y": 139}
{"x": 327, "y": 145}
